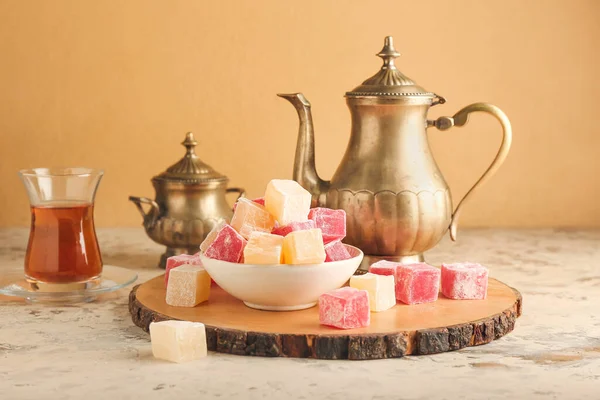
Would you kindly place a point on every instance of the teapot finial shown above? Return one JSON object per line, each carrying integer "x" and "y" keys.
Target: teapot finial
{"x": 388, "y": 81}
{"x": 388, "y": 53}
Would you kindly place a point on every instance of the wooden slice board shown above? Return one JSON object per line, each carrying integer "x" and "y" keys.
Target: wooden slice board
{"x": 233, "y": 328}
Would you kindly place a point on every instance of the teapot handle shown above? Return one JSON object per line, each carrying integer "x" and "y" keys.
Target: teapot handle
{"x": 153, "y": 208}
{"x": 460, "y": 119}
{"x": 241, "y": 192}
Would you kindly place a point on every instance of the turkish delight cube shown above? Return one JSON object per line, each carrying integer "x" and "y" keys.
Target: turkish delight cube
{"x": 384, "y": 267}
{"x": 212, "y": 235}
{"x": 189, "y": 285}
{"x": 417, "y": 283}
{"x": 287, "y": 201}
{"x": 294, "y": 226}
{"x": 345, "y": 308}
{"x": 304, "y": 247}
{"x": 251, "y": 217}
{"x": 264, "y": 248}
{"x": 227, "y": 245}
{"x": 336, "y": 251}
{"x": 464, "y": 281}
{"x": 331, "y": 222}
{"x": 382, "y": 294}
{"x": 176, "y": 261}
{"x": 178, "y": 341}
{"x": 259, "y": 200}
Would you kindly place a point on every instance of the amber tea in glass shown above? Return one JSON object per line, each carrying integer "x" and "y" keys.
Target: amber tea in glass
{"x": 63, "y": 247}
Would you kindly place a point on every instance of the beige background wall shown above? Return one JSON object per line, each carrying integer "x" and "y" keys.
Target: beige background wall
{"x": 116, "y": 84}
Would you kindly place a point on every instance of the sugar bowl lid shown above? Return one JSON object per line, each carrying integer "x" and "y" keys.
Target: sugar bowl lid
{"x": 389, "y": 81}
{"x": 190, "y": 169}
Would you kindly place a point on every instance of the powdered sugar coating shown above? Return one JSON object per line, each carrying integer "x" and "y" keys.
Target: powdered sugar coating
{"x": 228, "y": 245}
{"x": 212, "y": 234}
{"x": 176, "y": 261}
{"x": 417, "y": 283}
{"x": 336, "y": 251}
{"x": 287, "y": 201}
{"x": 178, "y": 341}
{"x": 250, "y": 217}
{"x": 189, "y": 286}
{"x": 381, "y": 290}
{"x": 304, "y": 247}
{"x": 259, "y": 200}
{"x": 464, "y": 281}
{"x": 345, "y": 308}
{"x": 294, "y": 226}
{"x": 263, "y": 248}
{"x": 383, "y": 267}
{"x": 331, "y": 222}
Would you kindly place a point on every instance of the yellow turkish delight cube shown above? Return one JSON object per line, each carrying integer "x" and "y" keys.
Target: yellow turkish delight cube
{"x": 304, "y": 247}
{"x": 178, "y": 341}
{"x": 251, "y": 217}
{"x": 382, "y": 292}
{"x": 264, "y": 248}
{"x": 189, "y": 285}
{"x": 287, "y": 201}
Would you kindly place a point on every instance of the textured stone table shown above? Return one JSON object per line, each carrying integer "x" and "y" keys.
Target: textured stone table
{"x": 94, "y": 351}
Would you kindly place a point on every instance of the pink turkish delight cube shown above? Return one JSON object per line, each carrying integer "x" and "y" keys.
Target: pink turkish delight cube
{"x": 464, "y": 281}
{"x": 331, "y": 222}
{"x": 417, "y": 283}
{"x": 294, "y": 226}
{"x": 336, "y": 251}
{"x": 227, "y": 245}
{"x": 181, "y": 259}
{"x": 384, "y": 267}
{"x": 260, "y": 200}
{"x": 345, "y": 308}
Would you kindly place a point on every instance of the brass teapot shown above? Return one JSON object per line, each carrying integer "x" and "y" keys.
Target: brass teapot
{"x": 397, "y": 202}
{"x": 190, "y": 199}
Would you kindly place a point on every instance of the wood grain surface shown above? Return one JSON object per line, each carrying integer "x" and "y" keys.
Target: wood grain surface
{"x": 444, "y": 325}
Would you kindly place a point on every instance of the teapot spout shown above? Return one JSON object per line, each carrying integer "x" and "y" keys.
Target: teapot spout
{"x": 305, "y": 170}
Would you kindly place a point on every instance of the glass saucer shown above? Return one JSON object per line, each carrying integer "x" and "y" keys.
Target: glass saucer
{"x": 13, "y": 283}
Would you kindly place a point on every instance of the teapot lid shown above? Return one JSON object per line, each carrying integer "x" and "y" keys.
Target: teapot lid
{"x": 389, "y": 81}
{"x": 190, "y": 169}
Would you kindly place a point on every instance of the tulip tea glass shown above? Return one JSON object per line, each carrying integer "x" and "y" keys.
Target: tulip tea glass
{"x": 63, "y": 248}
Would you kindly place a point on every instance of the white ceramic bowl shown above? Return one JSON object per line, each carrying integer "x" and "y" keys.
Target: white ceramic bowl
{"x": 282, "y": 287}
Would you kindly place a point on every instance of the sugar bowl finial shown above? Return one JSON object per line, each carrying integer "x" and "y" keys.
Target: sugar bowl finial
{"x": 388, "y": 53}
{"x": 189, "y": 142}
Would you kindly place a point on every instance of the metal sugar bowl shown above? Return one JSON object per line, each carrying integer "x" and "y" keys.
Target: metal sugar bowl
{"x": 190, "y": 199}
{"x": 397, "y": 202}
